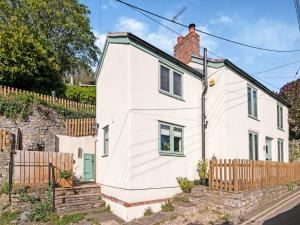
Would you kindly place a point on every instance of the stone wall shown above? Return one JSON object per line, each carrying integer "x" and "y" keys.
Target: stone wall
{"x": 4, "y": 159}
{"x": 235, "y": 204}
{"x": 38, "y": 130}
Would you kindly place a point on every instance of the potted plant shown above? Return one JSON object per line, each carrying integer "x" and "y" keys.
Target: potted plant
{"x": 202, "y": 172}
{"x": 66, "y": 175}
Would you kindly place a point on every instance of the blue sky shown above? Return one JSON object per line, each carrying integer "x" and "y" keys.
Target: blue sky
{"x": 269, "y": 23}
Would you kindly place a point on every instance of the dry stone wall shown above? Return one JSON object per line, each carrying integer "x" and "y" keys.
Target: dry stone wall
{"x": 38, "y": 130}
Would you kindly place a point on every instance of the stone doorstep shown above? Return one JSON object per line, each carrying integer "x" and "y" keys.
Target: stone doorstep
{"x": 103, "y": 216}
{"x": 152, "y": 219}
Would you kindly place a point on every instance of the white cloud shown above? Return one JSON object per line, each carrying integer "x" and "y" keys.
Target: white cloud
{"x": 100, "y": 39}
{"x": 161, "y": 38}
{"x": 224, "y": 20}
{"x": 132, "y": 25}
{"x": 104, "y": 7}
{"x": 269, "y": 33}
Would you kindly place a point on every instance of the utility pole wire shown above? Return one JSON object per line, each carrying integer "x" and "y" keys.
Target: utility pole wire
{"x": 212, "y": 35}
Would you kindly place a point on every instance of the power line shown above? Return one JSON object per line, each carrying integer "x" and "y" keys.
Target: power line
{"x": 277, "y": 67}
{"x": 203, "y": 32}
{"x": 296, "y": 3}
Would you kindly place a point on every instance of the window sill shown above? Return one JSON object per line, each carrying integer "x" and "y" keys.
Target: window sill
{"x": 253, "y": 117}
{"x": 171, "y": 95}
{"x": 106, "y": 155}
{"x": 171, "y": 154}
{"x": 280, "y": 129}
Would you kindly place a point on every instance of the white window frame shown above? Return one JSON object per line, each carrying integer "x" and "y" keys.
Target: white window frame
{"x": 280, "y": 150}
{"x": 255, "y": 148}
{"x": 105, "y": 140}
{"x": 253, "y": 104}
{"x": 171, "y": 82}
{"x": 279, "y": 116}
{"x": 171, "y": 152}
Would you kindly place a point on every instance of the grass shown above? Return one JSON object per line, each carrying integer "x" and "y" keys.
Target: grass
{"x": 167, "y": 207}
{"x": 181, "y": 198}
{"x": 148, "y": 212}
{"x": 66, "y": 219}
{"x": 8, "y": 217}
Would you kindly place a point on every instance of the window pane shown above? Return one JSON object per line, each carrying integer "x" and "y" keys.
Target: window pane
{"x": 249, "y": 101}
{"x": 278, "y": 148}
{"x": 164, "y": 138}
{"x": 177, "y": 86}
{"x": 164, "y": 78}
{"x": 177, "y": 139}
{"x": 106, "y": 141}
{"x": 254, "y": 103}
{"x": 256, "y": 146}
{"x": 250, "y": 146}
{"x": 278, "y": 116}
{"x": 281, "y": 150}
{"x": 281, "y": 117}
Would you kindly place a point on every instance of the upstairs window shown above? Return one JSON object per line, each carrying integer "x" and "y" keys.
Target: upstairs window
{"x": 252, "y": 101}
{"x": 171, "y": 139}
{"x": 170, "y": 81}
{"x": 279, "y": 116}
{"x": 280, "y": 150}
{"x": 253, "y": 146}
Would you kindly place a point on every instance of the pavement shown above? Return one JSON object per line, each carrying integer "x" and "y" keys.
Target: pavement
{"x": 284, "y": 211}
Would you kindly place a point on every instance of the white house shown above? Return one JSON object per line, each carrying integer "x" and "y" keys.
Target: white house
{"x": 150, "y": 119}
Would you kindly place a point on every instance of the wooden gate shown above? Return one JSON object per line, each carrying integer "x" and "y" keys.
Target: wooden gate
{"x": 31, "y": 168}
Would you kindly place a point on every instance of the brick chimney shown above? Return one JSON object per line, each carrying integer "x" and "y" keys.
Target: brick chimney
{"x": 188, "y": 46}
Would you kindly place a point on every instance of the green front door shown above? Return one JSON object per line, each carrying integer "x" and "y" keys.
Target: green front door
{"x": 88, "y": 171}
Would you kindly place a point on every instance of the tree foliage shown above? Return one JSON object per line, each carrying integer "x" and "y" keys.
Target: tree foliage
{"x": 81, "y": 94}
{"x": 291, "y": 93}
{"x": 42, "y": 40}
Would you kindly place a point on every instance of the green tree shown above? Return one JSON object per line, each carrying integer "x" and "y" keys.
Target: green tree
{"x": 40, "y": 41}
{"x": 291, "y": 93}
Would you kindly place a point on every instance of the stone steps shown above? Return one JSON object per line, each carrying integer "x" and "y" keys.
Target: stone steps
{"x": 83, "y": 198}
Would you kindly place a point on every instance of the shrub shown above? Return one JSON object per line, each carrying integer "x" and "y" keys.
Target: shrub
{"x": 148, "y": 212}
{"x": 202, "y": 169}
{"x": 167, "y": 206}
{"x": 65, "y": 174}
{"x": 81, "y": 94}
{"x": 4, "y": 189}
{"x": 23, "y": 194}
{"x": 290, "y": 186}
{"x": 8, "y": 217}
{"x": 185, "y": 185}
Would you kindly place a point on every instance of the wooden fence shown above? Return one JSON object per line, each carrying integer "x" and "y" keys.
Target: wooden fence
{"x": 4, "y": 140}
{"x": 80, "y": 127}
{"x": 240, "y": 174}
{"x": 4, "y": 90}
{"x": 31, "y": 168}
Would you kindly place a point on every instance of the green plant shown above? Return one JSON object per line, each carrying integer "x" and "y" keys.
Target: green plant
{"x": 4, "y": 188}
{"x": 290, "y": 186}
{"x": 202, "y": 169}
{"x": 173, "y": 217}
{"x": 66, "y": 219}
{"x": 148, "y": 212}
{"x": 227, "y": 217}
{"x": 167, "y": 206}
{"x": 166, "y": 146}
{"x": 8, "y": 217}
{"x": 185, "y": 185}
{"x": 81, "y": 94}
{"x": 65, "y": 174}
{"x": 22, "y": 194}
{"x": 41, "y": 211}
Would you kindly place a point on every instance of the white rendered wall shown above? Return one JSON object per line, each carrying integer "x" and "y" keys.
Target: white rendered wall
{"x": 69, "y": 144}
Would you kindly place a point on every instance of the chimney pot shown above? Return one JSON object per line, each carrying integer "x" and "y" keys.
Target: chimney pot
{"x": 192, "y": 27}
{"x": 180, "y": 39}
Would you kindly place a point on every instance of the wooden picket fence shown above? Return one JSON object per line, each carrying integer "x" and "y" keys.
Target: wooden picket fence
{"x": 5, "y": 90}
{"x": 80, "y": 127}
{"x": 31, "y": 168}
{"x": 241, "y": 174}
{"x": 4, "y": 139}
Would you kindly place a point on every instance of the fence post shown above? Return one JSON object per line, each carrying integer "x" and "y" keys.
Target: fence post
{"x": 235, "y": 181}
{"x": 9, "y": 180}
